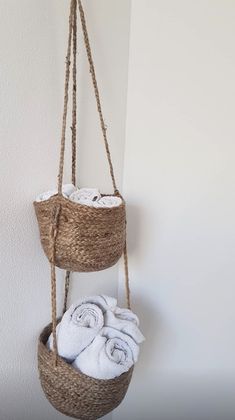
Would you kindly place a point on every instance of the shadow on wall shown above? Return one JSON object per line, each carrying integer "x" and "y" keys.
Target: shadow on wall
{"x": 134, "y": 227}
{"x": 142, "y": 237}
{"x": 153, "y": 325}
{"x": 154, "y": 330}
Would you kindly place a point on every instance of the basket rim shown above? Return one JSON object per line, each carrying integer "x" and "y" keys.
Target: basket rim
{"x": 61, "y": 198}
{"x": 42, "y": 340}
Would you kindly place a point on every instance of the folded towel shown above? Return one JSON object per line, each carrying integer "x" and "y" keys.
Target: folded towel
{"x": 67, "y": 190}
{"x": 125, "y": 321}
{"x": 80, "y": 323}
{"x": 110, "y": 354}
{"x": 108, "y": 201}
{"x": 78, "y": 327}
{"x": 86, "y": 196}
{"x": 102, "y": 301}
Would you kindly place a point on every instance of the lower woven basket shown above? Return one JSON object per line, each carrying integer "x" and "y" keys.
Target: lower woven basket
{"x": 73, "y": 393}
{"x": 87, "y": 238}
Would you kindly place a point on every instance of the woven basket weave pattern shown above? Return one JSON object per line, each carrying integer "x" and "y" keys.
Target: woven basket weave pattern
{"x": 73, "y": 393}
{"x": 88, "y": 238}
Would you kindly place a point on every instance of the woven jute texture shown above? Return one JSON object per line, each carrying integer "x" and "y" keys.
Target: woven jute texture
{"x": 73, "y": 393}
{"x": 87, "y": 238}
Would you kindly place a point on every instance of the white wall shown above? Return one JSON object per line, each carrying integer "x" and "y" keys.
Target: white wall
{"x": 32, "y": 55}
{"x": 179, "y": 182}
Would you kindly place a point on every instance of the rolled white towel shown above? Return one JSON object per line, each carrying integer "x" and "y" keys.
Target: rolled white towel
{"x": 45, "y": 196}
{"x": 86, "y": 196}
{"x": 78, "y": 327}
{"x": 67, "y": 190}
{"x": 109, "y": 355}
{"x": 102, "y": 301}
{"x": 125, "y": 321}
{"x": 108, "y": 201}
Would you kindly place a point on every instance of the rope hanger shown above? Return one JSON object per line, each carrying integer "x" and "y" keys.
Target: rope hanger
{"x": 72, "y": 53}
{"x": 73, "y": 34}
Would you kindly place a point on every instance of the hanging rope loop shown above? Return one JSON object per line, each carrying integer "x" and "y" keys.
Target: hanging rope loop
{"x": 127, "y": 281}
{"x": 54, "y": 231}
{"x": 74, "y": 100}
{"x": 66, "y": 291}
{"x": 66, "y": 96}
{"x": 96, "y": 90}
{"x": 72, "y": 39}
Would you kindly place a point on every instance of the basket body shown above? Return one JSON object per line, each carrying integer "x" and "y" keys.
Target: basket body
{"x": 87, "y": 238}
{"x": 73, "y": 393}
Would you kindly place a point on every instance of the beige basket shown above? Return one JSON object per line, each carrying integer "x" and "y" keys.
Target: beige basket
{"x": 73, "y": 393}
{"x": 87, "y": 238}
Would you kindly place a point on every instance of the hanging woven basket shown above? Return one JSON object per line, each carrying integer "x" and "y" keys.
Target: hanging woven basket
{"x": 73, "y": 393}
{"x": 86, "y": 238}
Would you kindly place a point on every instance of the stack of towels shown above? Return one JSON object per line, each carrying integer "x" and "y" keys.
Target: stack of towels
{"x": 98, "y": 338}
{"x": 86, "y": 196}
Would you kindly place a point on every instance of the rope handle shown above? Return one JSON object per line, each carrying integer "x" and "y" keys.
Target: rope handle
{"x": 74, "y": 104}
{"x": 66, "y": 97}
{"x": 66, "y": 290}
{"x": 73, "y": 34}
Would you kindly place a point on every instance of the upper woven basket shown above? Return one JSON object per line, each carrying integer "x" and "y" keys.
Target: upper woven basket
{"x": 77, "y": 237}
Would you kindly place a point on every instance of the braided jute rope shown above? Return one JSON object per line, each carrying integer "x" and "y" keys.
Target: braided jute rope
{"x": 73, "y": 30}
{"x": 66, "y": 97}
{"x": 66, "y": 290}
{"x": 74, "y": 105}
{"x": 54, "y": 230}
{"x": 96, "y": 89}
{"x": 127, "y": 281}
